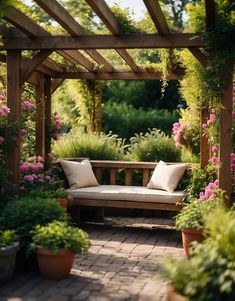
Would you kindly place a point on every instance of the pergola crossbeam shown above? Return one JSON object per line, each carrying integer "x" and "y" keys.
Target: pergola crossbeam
{"x": 106, "y": 15}
{"x": 61, "y": 15}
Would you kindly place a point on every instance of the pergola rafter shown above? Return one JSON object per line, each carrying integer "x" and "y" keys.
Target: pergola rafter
{"x": 47, "y": 75}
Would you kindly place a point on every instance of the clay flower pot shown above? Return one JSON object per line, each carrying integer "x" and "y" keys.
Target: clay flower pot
{"x": 54, "y": 266}
{"x": 190, "y": 235}
{"x": 172, "y": 295}
{"x": 7, "y": 261}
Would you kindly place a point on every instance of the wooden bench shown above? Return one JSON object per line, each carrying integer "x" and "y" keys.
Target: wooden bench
{"x": 108, "y": 172}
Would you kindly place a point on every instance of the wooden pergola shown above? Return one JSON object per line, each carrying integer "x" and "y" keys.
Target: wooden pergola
{"x": 46, "y": 75}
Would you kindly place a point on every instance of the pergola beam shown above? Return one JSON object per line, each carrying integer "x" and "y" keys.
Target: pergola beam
{"x": 61, "y": 15}
{"x": 116, "y": 75}
{"x": 210, "y": 13}
{"x": 29, "y": 27}
{"x": 106, "y": 15}
{"x": 157, "y": 16}
{"x": 129, "y": 41}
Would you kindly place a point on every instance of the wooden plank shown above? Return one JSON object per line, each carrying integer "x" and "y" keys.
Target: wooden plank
{"x": 33, "y": 63}
{"x": 225, "y": 177}
{"x": 199, "y": 56}
{"x": 61, "y": 15}
{"x": 55, "y": 84}
{"x": 29, "y": 27}
{"x": 40, "y": 117}
{"x": 116, "y": 75}
{"x": 128, "y": 177}
{"x": 128, "y": 41}
{"x": 75, "y": 57}
{"x": 47, "y": 99}
{"x": 204, "y": 143}
{"x": 113, "y": 176}
{"x": 127, "y": 204}
{"x": 157, "y": 16}
{"x": 145, "y": 177}
{"x": 106, "y": 15}
{"x": 14, "y": 103}
{"x": 98, "y": 174}
{"x": 210, "y": 13}
{"x": 47, "y": 71}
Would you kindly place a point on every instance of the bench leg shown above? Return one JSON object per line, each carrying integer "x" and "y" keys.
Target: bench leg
{"x": 75, "y": 212}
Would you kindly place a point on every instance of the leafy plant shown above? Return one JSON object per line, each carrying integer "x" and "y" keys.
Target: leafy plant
{"x": 7, "y": 238}
{"x": 153, "y": 146}
{"x": 208, "y": 275}
{"x": 58, "y": 235}
{"x": 24, "y": 214}
{"x": 80, "y": 144}
{"x": 193, "y": 214}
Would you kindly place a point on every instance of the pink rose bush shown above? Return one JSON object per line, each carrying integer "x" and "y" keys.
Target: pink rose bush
{"x": 56, "y": 126}
{"x": 210, "y": 191}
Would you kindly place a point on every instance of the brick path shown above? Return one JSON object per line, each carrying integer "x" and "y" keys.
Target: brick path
{"x": 122, "y": 264}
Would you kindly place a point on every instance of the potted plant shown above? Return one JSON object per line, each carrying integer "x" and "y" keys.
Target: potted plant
{"x": 22, "y": 216}
{"x": 55, "y": 245}
{"x": 61, "y": 196}
{"x": 9, "y": 245}
{"x": 208, "y": 274}
{"x": 191, "y": 218}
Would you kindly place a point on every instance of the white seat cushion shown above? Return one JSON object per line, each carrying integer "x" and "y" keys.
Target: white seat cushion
{"x": 126, "y": 193}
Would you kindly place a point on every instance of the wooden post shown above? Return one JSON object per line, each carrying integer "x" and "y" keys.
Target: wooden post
{"x": 40, "y": 117}
{"x": 14, "y": 103}
{"x": 225, "y": 178}
{"x": 204, "y": 143}
{"x": 47, "y": 97}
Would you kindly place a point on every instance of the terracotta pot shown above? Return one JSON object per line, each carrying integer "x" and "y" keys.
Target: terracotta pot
{"x": 7, "y": 261}
{"x": 64, "y": 202}
{"x": 190, "y": 235}
{"x": 55, "y": 266}
{"x": 172, "y": 295}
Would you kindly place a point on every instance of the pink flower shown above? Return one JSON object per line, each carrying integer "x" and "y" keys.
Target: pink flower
{"x": 22, "y": 188}
{"x": 204, "y": 125}
{"x": 1, "y": 140}
{"x": 202, "y": 196}
{"x": 215, "y": 160}
{"x": 29, "y": 178}
{"x": 23, "y": 132}
{"x": 48, "y": 178}
{"x": 214, "y": 149}
{"x": 212, "y": 118}
{"x": 26, "y": 105}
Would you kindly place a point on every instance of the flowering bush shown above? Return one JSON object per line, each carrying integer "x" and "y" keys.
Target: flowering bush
{"x": 56, "y": 126}
{"x": 210, "y": 191}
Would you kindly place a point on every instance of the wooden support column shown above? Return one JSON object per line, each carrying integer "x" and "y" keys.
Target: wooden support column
{"x": 40, "y": 117}
{"x": 14, "y": 103}
{"x": 204, "y": 143}
{"x": 47, "y": 97}
{"x": 225, "y": 178}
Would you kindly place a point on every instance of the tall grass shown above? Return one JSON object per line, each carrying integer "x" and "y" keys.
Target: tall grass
{"x": 153, "y": 146}
{"x": 80, "y": 144}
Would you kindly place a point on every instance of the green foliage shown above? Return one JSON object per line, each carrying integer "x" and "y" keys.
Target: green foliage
{"x": 24, "y": 214}
{"x": 125, "y": 121}
{"x": 153, "y": 146}
{"x": 45, "y": 193}
{"x": 58, "y": 235}
{"x": 209, "y": 274}
{"x": 80, "y": 144}
{"x": 7, "y": 238}
{"x": 193, "y": 214}
{"x": 6, "y": 5}
{"x": 199, "y": 179}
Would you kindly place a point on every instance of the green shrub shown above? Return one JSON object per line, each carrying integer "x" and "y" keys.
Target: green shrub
{"x": 125, "y": 120}
{"x": 208, "y": 275}
{"x": 58, "y": 235}
{"x": 24, "y": 214}
{"x": 153, "y": 146}
{"x": 7, "y": 238}
{"x": 79, "y": 144}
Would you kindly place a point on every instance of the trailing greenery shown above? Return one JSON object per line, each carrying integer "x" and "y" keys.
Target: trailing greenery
{"x": 7, "y": 238}
{"x": 208, "y": 275}
{"x": 24, "y": 214}
{"x": 59, "y": 235}
{"x": 153, "y": 146}
{"x": 80, "y": 144}
{"x": 125, "y": 121}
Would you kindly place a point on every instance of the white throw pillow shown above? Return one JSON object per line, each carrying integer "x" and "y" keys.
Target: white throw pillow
{"x": 79, "y": 174}
{"x": 166, "y": 177}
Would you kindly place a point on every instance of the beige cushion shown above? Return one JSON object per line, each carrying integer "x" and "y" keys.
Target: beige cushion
{"x": 166, "y": 177}
{"x": 79, "y": 174}
{"x": 126, "y": 193}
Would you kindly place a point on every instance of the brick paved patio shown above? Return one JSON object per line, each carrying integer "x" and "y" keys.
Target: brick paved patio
{"x": 122, "y": 264}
